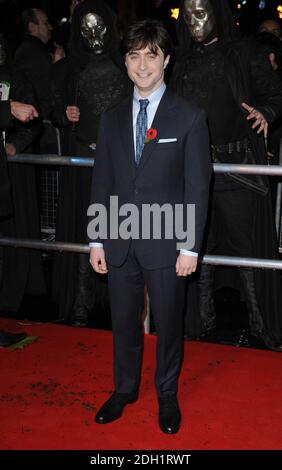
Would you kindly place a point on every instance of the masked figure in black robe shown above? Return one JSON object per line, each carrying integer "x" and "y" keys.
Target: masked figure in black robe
{"x": 85, "y": 84}
{"x": 242, "y": 95}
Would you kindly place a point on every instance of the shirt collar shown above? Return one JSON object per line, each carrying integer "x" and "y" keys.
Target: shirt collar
{"x": 155, "y": 97}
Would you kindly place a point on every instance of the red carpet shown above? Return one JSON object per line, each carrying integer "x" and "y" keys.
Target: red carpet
{"x": 230, "y": 397}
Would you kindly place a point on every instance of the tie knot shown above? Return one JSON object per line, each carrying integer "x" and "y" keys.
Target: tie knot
{"x": 143, "y": 104}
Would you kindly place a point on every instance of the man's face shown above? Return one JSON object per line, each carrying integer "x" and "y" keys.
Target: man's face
{"x": 146, "y": 69}
{"x": 270, "y": 26}
{"x": 43, "y": 29}
{"x": 199, "y": 17}
{"x": 94, "y": 30}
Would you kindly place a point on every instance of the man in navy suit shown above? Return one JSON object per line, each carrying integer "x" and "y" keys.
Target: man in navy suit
{"x": 153, "y": 148}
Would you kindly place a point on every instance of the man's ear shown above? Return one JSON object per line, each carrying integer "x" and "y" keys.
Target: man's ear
{"x": 272, "y": 59}
{"x": 166, "y": 61}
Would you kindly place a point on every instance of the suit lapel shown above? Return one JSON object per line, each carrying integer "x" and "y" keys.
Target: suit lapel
{"x": 125, "y": 122}
{"x": 160, "y": 123}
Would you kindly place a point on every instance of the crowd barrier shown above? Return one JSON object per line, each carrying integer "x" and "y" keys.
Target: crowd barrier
{"x": 58, "y": 160}
{"x": 78, "y": 161}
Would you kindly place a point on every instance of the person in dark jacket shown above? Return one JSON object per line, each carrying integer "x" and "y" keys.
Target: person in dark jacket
{"x": 23, "y": 112}
{"x": 172, "y": 169}
{"x": 22, "y": 268}
{"x": 32, "y": 57}
{"x": 272, "y": 27}
{"x": 90, "y": 80}
{"x": 242, "y": 95}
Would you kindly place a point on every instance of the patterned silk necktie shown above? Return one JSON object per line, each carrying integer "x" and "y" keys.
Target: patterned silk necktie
{"x": 141, "y": 129}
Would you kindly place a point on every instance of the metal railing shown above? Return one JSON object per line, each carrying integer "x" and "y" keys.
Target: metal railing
{"x": 79, "y": 161}
{"x": 61, "y": 160}
{"x": 79, "y": 248}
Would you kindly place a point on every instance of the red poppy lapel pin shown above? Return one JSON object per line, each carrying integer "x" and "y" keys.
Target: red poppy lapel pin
{"x": 151, "y": 134}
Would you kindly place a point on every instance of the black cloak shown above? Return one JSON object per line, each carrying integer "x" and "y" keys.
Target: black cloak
{"x": 93, "y": 83}
{"x": 252, "y": 81}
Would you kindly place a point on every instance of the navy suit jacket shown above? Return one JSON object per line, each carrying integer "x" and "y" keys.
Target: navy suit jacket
{"x": 175, "y": 172}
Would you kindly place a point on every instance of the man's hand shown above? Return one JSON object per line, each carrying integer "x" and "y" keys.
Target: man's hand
{"x": 73, "y": 4}
{"x": 23, "y": 112}
{"x": 186, "y": 265}
{"x": 97, "y": 260}
{"x": 10, "y": 150}
{"x": 260, "y": 121}
{"x": 73, "y": 113}
{"x": 58, "y": 54}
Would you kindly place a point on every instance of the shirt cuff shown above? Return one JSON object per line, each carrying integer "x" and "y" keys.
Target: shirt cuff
{"x": 188, "y": 253}
{"x": 96, "y": 245}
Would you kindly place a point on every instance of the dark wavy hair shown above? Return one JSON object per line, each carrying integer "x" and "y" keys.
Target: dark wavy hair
{"x": 28, "y": 16}
{"x": 148, "y": 33}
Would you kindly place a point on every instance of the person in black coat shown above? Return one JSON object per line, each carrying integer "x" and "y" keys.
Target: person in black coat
{"x": 24, "y": 113}
{"x": 242, "y": 95}
{"x": 32, "y": 56}
{"x": 22, "y": 268}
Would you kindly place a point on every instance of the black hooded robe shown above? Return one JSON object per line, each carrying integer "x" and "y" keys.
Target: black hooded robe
{"x": 219, "y": 78}
{"x": 93, "y": 83}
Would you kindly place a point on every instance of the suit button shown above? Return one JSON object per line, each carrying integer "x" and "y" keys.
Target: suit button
{"x": 136, "y": 191}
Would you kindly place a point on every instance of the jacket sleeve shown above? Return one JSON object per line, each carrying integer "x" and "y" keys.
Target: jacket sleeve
{"x": 266, "y": 86}
{"x": 58, "y": 107}
{"x": 21, "y": 135}
{"x": 198, "y": 169}
{"x": 5, "y": 115}
{"x": 102, "y": 180}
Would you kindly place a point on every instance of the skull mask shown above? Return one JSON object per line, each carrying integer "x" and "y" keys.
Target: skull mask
{"x": 93, "y": 30}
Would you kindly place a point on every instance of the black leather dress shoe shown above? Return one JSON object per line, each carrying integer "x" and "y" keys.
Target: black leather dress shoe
{"x": 114, "y": 406}
{"x": 8, "y": 339}
{"x": 169, "y": 414}
{"x": 79, "y": 318}
{"x": 79, "y": 323}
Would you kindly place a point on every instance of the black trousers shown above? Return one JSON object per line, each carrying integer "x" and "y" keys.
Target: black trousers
{"x": 166, "y": 293}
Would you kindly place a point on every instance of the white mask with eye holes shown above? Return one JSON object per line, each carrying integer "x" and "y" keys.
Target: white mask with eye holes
{"x": 94, "y": 30}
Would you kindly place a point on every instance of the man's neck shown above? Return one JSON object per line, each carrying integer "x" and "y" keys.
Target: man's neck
{"x": 143, "y": 94}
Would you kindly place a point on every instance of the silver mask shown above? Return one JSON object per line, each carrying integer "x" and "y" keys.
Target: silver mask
{"x": 200, "y": 19}
{"x": 94, "y": 30}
